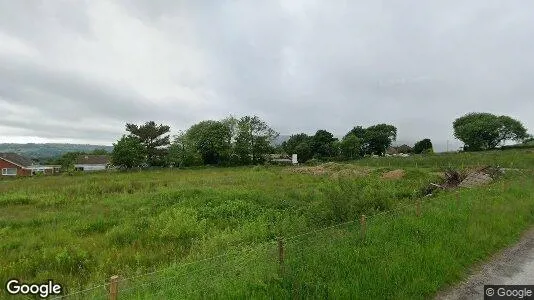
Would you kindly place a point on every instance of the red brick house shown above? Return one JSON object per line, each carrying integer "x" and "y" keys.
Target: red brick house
{"x": 12, "y": 164}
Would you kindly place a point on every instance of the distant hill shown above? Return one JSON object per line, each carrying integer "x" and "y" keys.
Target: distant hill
{"x": 48, "y": 151}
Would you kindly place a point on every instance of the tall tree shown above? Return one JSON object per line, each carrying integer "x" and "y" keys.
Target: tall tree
{"x": 155, "y": 140}
{"x": 351, "y": 146}
{"x": 183, "y": 152}
{"x": 378, "y": 138}
{"x": 422, "y": 146}
{"x": 299, "y": 144}
{"x": 375, "y": 139}
{"x": 358, "y": 132}
{"x": 253, "y": 140}
{"x": 128, "y": 152}
{"x": 323, "y": 144}
{"x": 212, "y": 141}
{"x": 483, "y": 131}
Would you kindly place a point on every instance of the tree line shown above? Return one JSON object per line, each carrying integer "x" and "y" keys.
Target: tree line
{"x": 250, "y": 140}
{"x": 240, "y": 141}
{"x": 231, "y": 141}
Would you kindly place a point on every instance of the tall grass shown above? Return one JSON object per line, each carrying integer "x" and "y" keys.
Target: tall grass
{"x": 506, "y": 159}
{"x": 402, "y": 257}
{"x": 80, "y": 230}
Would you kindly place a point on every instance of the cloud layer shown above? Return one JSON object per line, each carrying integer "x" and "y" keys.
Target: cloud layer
{"x": 78, "y": 71}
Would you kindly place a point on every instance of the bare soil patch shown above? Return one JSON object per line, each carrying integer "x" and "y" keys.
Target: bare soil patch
{"x": 395, "y": 174}
{"x": 335, "y": 170}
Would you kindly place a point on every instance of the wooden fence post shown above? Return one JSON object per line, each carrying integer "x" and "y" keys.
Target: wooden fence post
{"x": 363, "y": 223}
{"x": 281, "y": 254}
{"x": 114, "y": 287}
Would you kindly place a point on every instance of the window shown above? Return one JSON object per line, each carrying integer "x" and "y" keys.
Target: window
{"x": 9, "y": 172}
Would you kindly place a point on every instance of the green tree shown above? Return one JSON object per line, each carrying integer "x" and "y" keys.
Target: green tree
{"x": 323, "y": 144}
{"x": 253, "y": 140}
{"x": 128, "y": 152}
{"x": 183, "y": 152}
{"x": 351, "y": 146}
{"x": 358, "y": 131}
{"x": 299, "y": 144}
{"x": 422, "y": 146}
{"x": 154, "y": 138}
{"x": 212, "y": 141}
{"x": 378, "y": 138}
{"x": 375, "y": 139}
{"x": 484, "y": 131}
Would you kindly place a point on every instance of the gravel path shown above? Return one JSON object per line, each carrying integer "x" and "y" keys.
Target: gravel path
{"x": 514, "y": 266}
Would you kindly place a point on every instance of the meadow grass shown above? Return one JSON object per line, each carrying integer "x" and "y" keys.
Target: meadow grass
{"x": 80, "y": 230}
{"x": 503, "y": 158}
{"x": 403, "y": 256}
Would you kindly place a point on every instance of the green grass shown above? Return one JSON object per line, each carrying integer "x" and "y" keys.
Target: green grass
{"x": 80, "y": 230}
{"x": 402, "y": 257}
{"x": 505, "y": 159}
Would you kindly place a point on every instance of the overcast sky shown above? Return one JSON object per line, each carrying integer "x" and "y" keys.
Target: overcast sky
{"x": 77, "y": 71}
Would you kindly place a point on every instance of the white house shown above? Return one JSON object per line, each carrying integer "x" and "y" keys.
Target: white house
{"x": 92, "y": 162}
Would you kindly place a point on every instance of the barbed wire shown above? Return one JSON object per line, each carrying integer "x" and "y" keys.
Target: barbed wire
{"x": 82, "y": 291}
{"x": 247, "y": 252}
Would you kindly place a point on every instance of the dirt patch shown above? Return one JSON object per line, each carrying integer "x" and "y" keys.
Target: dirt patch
{"x": 333, "y": 169}
{"x": 476, "y": 179}
{"x": 395, "y": 174}
{"x": 452, "y": 179}
{"x": 480, "y": 176}
{"x": 317, "y": 170}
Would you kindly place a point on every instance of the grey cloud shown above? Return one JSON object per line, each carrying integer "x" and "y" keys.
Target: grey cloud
{"x": 301, "y": 65}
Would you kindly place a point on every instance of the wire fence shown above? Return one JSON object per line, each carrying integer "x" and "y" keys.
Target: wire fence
{"x": 264, "y": 259}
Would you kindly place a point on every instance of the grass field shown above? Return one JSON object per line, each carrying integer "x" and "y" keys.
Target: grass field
{"x": 80, "y": 230}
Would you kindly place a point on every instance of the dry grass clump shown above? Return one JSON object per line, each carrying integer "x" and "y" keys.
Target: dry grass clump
{"x": 395, "y": 174}
{"x": 335, "y": 170}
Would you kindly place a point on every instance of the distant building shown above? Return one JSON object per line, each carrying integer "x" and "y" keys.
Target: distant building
{"x": 283, "y": 159}
{"x": 88, "y": 163}
{"x": 12, "y": 164}
{"x": 403, "y": 149}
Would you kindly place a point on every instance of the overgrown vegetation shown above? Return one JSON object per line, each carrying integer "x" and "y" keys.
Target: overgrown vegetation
{"x": 79, "y": 230}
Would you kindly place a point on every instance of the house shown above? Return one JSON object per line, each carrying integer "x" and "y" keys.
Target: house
{"x": 87, "y": 162}
{"x": 13, "y": 164}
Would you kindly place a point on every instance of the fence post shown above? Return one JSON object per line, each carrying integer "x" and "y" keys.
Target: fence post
{"x": 281, "y": 254}
{"x": 363, "y": 223}
{"x": 114, "y": 287}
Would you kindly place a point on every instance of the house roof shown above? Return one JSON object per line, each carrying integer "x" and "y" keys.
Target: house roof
{"x": 17, "y": 159}
{"x": 92, "y": 160}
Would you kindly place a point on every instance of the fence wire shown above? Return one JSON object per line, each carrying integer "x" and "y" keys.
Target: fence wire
{"x": 239, "y": 258}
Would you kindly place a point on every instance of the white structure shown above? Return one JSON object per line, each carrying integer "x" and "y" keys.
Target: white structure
{"x": 294, "y": 159}
{"x": 89, "y": 163}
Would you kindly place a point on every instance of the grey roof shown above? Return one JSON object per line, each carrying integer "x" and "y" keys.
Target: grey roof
{"x": 17, "y": 159}
{"x": 93, "y": 160}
